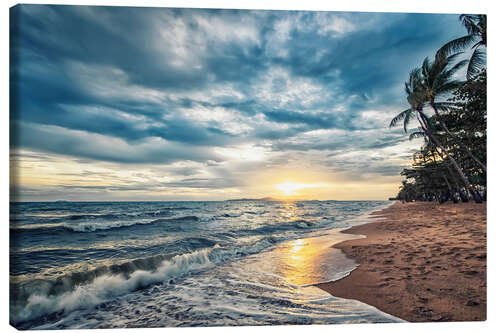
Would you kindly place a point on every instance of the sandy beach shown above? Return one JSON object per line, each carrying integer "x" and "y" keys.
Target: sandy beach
{"x": 420, "y": 262}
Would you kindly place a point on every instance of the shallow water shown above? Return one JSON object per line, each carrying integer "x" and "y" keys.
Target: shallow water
{"x": 152, "y": 264}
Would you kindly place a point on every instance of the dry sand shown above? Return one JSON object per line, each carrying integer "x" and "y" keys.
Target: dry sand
{"x": 421, "y": 262}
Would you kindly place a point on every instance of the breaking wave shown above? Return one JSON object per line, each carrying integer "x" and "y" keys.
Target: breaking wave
{"x": 91, "y": 226}
{"x": 36, "y": 298}
{"x": 104, "y": 285}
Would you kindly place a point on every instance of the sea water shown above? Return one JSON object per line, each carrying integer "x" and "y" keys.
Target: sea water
{"x": 158, "y": 264}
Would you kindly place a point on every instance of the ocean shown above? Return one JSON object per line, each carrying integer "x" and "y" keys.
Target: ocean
{"x": 162, "y": 264}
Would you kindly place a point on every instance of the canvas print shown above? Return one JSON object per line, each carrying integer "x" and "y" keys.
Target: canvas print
{"x": 216, "y": 167}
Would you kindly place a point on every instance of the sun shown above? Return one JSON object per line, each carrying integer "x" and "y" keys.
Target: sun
{"x": 290, "y": 188}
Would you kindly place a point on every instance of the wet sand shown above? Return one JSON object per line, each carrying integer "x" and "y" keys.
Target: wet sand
{"x": 420, "y": 262}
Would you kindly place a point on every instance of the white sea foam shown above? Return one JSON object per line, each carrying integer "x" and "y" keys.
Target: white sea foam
{"x": 103, "y": 225}
{"x": 107, "y": 287}
{"x": 246, "y": 292}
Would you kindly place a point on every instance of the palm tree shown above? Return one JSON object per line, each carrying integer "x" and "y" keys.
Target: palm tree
{"x": 476, "y": 32}
{"x": 437, "y": 80}
{"x": 430, "y": 149}
{"x": 417, "y": 97}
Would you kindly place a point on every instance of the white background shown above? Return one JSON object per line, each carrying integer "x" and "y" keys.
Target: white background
{"x": 421, "y": 6}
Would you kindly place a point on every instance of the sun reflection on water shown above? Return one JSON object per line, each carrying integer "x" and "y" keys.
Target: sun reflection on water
{"x": 300, "y": 262}
{"x": 297, "y": 245}
{"x": 308, "y": 261}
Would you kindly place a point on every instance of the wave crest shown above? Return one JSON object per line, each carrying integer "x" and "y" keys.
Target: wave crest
{"x": 92, "y": 226}
{"x": 108, "y": 286}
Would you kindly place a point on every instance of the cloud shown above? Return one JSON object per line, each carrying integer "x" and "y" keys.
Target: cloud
{"x": 83, "y": 144}
{"x": 161, "y": 86}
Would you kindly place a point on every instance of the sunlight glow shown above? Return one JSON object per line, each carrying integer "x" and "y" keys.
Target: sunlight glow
{"x": 290, "y": 188}
{"x": 297, "y": 245}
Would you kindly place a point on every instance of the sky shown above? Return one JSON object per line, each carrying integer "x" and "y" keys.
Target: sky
{"x": 123, "y": 103}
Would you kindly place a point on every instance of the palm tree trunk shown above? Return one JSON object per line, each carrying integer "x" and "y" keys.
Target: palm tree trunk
{"x": 455, "y": 139}
{"x": 450, "y": 189}
{"x": 452, "y": 175}
{"x": 427, "y": 129}
{"x": 458, "y": 187}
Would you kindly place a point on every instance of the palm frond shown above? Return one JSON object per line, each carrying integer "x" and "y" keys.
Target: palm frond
{"x": 404, "y": 116}
{"x": 426, "y": 67}
{"x": 415, "y": 135}
{"x": 409, "y": 116}
{"x": 449, "y": 86}
{"x": 455, "y": 68}
{"x": 470, "y": 22}
{"x": 451, "y": 58}
{"x": 476, "y": 63}
{"x": 445, "y": 106}
{"x": 455, "y": 45}
{"x": 414, "y": 81}
{"x": 442, "y": 72}
{"x": 408, "y": 88}
{"x": 396, "y": 120}
{"x": 482, "y": 25}
{"x": 448, "y": 104}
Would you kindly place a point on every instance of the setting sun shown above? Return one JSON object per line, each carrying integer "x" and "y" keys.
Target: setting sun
{"x": 290, "y": 188}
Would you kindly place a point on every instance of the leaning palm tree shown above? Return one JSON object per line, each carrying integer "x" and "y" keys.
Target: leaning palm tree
{"x": 476, "y": 35}
{"x": 417, "y": 97}
{"x": 430, "y": 148}
{"x": 438, "y": 80}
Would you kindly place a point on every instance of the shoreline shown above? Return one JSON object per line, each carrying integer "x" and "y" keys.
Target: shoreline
{"x": 420, "y": 262}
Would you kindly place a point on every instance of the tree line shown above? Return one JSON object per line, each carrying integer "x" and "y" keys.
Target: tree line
{"x": 451, "y": 118}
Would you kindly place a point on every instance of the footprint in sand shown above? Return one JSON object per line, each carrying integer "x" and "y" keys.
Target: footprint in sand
{"x": 472, "y": 303}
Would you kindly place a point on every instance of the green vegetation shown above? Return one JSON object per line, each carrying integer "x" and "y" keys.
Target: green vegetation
{"x": 451, "y": 165}
{"x": 476, "y": 33}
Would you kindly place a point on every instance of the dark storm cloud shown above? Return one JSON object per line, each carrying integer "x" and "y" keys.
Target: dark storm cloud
{"x": 81, "y": 75}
